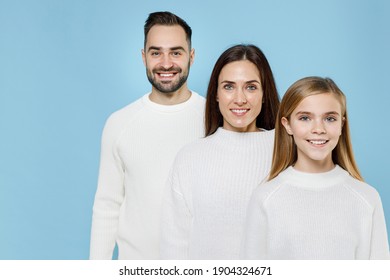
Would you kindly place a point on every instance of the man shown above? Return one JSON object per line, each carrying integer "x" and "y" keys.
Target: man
{"x": 139, "y": 144}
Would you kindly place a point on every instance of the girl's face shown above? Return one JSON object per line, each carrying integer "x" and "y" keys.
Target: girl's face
{"x": 239, "y": 96}
{"x": 316, "y": 125}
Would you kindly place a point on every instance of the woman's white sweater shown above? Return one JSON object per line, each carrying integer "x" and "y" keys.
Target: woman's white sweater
{"x": 208, "y": 191}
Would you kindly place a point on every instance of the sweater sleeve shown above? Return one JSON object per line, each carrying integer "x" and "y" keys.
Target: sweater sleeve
{"x": 379, "y": 240}
{"x": 254, "y": 242}
{"x": 176, "y": 221}
{"x": 109, "y": 195}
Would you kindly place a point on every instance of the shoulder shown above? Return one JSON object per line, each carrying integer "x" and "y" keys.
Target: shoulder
{"x": 266, "y": 190}
{"x": 124, "y": 113}
{"x": 118, "y": 120}
{"x": 193, "y": 149}
{"x": 197, "y": 102}
{"x": 367, "y": 193}
{"x": 201, "y": 153}
{"x": 269, "y": 135}
{"x": 198, "y": 99}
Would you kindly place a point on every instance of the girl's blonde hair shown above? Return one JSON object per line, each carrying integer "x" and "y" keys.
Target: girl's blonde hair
{"x": 285, "y": 150}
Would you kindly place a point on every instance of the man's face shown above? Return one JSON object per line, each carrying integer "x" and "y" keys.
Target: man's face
{"x": 167, "y": 58}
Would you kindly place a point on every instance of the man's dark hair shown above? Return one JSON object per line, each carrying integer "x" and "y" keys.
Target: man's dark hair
{"x": 168, "y": 19}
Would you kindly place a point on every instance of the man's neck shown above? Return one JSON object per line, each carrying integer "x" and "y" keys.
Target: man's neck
{"x": 174, "y": 98}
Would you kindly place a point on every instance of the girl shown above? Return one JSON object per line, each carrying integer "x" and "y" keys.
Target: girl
{"x": 315, "y": 204}
{"x": 211, "y": 180}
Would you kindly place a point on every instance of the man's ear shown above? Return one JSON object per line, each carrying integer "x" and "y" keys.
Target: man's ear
{"x": 192, "y": 56}
{"x": 143, "y": 57}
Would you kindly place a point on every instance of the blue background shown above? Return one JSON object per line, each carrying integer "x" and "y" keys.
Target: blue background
{"x": 66, "y": 65}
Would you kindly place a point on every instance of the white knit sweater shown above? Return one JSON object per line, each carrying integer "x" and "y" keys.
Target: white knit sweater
{"x": 208, "y": 191}
{"x": 139, "y": 144}
{"x": 315, "y": 216}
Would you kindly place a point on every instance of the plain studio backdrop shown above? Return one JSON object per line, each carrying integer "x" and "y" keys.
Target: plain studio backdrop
{"x": 65, "y": 66}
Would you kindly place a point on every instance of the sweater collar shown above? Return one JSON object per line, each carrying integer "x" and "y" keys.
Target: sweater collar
{"x": 315, "y": 180}
{"x": 169, "y": 108}
{"x": 240, "y": 135}
{"x": 242, "y": 140}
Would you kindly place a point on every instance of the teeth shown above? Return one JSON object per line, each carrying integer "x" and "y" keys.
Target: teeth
{"x": 238, "y": 111}
{"x": 166, "y": 75}
{"x": 317, "y": 142}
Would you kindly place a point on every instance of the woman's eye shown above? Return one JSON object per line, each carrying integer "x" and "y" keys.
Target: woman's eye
{"x": 251, "y": 87}
{"x": 228, "y": 86}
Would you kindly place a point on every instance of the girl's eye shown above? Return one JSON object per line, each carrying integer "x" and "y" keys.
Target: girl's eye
{"x": 304, "y": 118}
{"x": 330, "y": 119}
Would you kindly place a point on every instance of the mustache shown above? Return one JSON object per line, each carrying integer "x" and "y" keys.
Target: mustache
{"x": 162, "y": 69}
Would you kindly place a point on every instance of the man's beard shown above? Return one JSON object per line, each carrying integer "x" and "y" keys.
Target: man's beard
{"x": 171, "y": 86}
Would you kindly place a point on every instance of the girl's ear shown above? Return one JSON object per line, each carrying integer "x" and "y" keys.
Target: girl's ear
{"x": 342, "y": 125}
{"x": 286, "y": 125}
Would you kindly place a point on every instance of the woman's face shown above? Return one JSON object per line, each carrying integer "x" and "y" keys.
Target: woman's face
{"x": 240, "y": 96}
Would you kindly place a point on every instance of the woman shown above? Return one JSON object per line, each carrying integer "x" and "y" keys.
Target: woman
{"x": 212, "y": 179}
{"x": 316, "y": 204}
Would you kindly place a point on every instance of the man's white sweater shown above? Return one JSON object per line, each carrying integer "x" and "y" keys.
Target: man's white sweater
{"x": 139, "y": 144}
{"x": 327, "y": 215}
{"x": 208, "y": 191}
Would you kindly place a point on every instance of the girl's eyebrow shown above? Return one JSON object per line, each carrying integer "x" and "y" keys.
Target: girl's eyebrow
{"x": 303, "y": 113}
{"x": 332, "y": 113}
{"x": 310, "y": 113}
